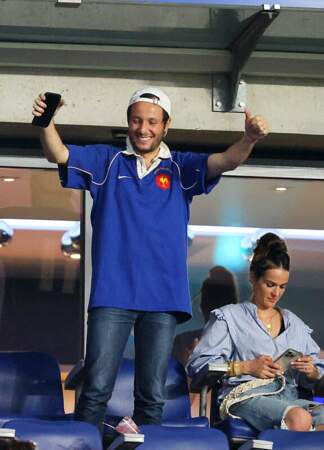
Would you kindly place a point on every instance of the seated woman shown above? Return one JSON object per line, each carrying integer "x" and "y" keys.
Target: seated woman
{"x": 250, "y": 336}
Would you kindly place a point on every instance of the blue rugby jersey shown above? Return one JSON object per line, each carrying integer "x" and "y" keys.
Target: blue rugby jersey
{"x": 139, "y": 244}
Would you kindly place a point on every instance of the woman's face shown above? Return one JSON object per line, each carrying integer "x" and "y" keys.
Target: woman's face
{"x": 269, "y": 288}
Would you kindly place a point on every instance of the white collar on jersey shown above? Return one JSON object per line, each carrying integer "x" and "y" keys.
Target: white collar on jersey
{"x": 164, "y": 152}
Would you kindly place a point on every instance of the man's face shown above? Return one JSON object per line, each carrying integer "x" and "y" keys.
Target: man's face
{"x": 146, "y": 128}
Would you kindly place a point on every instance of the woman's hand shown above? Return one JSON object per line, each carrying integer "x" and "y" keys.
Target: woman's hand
{"x": 305, "y": 364}
{"x": 262, "y": 367}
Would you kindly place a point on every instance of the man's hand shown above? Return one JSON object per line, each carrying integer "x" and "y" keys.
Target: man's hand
{"x": 54, "y": 149}
{"x": 39, "y": 105}
{"x": 256, "y": 128}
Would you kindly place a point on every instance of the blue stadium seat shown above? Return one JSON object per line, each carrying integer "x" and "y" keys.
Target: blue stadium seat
{"x": 179, "y": 430}
{"x": 30, "y": 385}
{"x": 176, "y": 411}
{"x": 57, "y": 435}
{"x": 31, "y": 402}
{"x": 294, "y": 440}
{"x": 182, "y": 438}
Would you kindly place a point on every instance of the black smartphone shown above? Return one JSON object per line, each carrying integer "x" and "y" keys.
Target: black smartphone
{"x": 52, "y": 101}
{"x": 287, "y": 357}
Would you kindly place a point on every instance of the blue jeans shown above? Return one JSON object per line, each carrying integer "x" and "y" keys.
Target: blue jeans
{"x": 108, "y": 331}
{"x": 267, "y": 411}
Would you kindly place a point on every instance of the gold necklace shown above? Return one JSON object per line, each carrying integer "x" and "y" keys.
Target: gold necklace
{"x": 268, "y": 324}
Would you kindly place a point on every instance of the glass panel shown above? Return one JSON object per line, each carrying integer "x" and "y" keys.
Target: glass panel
{"x": 189, "y": 24}
{"x": 41, "y": 300}
{"x": 226, "y": 223}
{"x": 282, "y": 3}
{"x": 290, "y": 3}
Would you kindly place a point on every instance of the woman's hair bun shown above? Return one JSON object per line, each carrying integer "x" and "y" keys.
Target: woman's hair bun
{"x": 269, "y": 243}
{"x": 270, "y": 252}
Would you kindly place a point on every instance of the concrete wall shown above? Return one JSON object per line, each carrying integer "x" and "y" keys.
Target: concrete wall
{"x": 97, "y": 54}
{"x": 290, "y": 105}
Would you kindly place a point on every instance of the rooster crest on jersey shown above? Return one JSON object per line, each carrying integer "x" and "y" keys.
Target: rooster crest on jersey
{"x": 163, "y": 181}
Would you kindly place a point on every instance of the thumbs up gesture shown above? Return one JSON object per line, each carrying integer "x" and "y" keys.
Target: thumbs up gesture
{"x": 256, "y": 128}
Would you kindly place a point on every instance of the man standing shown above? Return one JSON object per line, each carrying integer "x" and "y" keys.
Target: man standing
{"x": 141, "y": 197}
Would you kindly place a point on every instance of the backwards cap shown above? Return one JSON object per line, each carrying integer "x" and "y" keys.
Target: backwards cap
{"x": 162, "y": 99}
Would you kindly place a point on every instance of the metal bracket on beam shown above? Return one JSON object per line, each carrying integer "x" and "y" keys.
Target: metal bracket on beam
{"x": 229, "y": 91}
{"x": 221, "y": 95}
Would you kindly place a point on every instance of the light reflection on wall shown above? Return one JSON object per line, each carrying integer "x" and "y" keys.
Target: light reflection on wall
{"x": 228, "y": 252}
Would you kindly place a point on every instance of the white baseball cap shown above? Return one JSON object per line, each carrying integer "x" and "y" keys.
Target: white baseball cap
{"x": 161, "y": 98}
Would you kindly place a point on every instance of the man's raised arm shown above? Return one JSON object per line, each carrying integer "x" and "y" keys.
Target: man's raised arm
{"x": 54, "y": 149}
{"x": 256, "y": 129}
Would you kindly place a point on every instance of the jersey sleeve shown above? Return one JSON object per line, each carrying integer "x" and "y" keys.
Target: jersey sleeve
{"x": 193, "y": 173}
{"x": 86, "y": 166}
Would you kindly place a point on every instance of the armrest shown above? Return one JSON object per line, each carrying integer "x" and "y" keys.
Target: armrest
{"x": 75, "y": 377}
{"x": 319, "y": 387}
{"x": 206, "y": 379}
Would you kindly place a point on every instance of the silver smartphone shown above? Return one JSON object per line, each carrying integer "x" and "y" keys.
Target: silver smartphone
{"x": 287, "y": 357}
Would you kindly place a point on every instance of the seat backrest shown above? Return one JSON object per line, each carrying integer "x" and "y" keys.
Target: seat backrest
{"x": 177, "y": 403}
{"x": 30, "y": 384}
{"x": 297, "y": 440}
